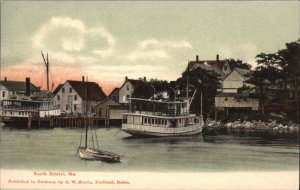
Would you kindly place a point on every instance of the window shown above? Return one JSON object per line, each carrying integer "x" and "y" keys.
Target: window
{"x": 127, "y": 97}
{"x": 67, "y": 107}
{"x": 75, "y": 97}
{"x": 225, "y": 67}
{"x": 152, "y": 121}
{"x": 226, "y": 99}
{"x": 63, "y": 90}
{"x": 58, "y": 97}
{"x": 75, "y": 107}
{"x": 3, "y": 94}
{"x": 70, "y": 90}
{"x": 70, "y": 99}
{"x": 127, "y": 87}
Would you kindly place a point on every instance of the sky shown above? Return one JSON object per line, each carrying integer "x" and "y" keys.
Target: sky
{"x": 108, "y": 40}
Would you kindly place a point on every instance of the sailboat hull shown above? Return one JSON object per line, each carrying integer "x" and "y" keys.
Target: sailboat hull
{"x": 93, "y": 154}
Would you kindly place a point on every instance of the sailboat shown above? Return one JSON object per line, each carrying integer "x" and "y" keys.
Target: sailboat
{"x": 93, "y": 153}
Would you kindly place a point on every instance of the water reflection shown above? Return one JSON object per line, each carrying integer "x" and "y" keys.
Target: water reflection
{"x": 251, "y": 137}
{"x": 164, "y": 140}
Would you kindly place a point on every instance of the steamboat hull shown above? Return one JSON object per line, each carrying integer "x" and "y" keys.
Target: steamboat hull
{"x": 161, "y": 131}
{"x": 89, "y": 154}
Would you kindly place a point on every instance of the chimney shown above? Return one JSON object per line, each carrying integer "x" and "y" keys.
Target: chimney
{"x": 27, "y": 93}
{"x": 197, "y": 58}
{"x": 217, "y": 57}
{"x": 82, "y": 78}
{"x": 5, "y": 78}
{"x": 126, "y": 78}
{"x": 144, "y": 79}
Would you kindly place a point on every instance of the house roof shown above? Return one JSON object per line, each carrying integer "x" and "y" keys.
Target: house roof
{"x": 134, "y": 82}
{"x": 242, "y": 72}
{"x": 18, "y": 86}
{"x": 86, "y": 90}
{"x": 113, "y": 92}
{"x": 215, "y": 65}
{"x": 105, "y": 100}
{"x": 57, "y": 88}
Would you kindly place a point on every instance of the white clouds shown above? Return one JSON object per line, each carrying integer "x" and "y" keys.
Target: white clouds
{"x": 102, "y": 32}
{"x": 72, "y": 36}
{"x": 71, "y": 43}
{"x": 153, "y": 43}
{"x": 154, "y": 49}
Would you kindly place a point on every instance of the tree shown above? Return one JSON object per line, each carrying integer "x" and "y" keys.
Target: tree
{"x": 201, "y": 80}
{"x": 281, "y": 66}
{"x": 289, "y": 61}
{"x": 148, "y": 89}
{"x": 238, "y": 64}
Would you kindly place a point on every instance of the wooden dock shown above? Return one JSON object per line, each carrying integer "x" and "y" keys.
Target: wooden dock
{"x": 77, "y": 122}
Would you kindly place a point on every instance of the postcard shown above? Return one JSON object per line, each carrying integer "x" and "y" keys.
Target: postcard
{"x": 149, "y": 95}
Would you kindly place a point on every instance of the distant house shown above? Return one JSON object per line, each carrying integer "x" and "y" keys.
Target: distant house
{"x": 234, "y": 80}
{"x": 78, "y": 96}
{"x": 219, "y": 66}
{"x": 230, "y": 98}
{"x": 110, "y": 109}
{"x": 127, "y": 89}
{"x": 17, "y": 89}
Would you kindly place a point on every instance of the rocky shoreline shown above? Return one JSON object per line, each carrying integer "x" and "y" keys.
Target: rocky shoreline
{"x": 255, "y": 125}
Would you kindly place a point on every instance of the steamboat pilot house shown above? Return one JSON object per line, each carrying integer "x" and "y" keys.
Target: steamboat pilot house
{"x": 161, "y": 118}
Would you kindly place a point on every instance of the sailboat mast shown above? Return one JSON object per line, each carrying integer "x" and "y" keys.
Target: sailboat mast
{"x": 86, "y": 112}
{"x": 47, "y": 68}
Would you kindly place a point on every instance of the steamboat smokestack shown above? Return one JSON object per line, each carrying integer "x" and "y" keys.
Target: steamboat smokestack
{"x": 27, "y": 81}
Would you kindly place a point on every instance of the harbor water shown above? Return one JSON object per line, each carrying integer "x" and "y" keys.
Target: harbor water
{"x": 55, "y": 149}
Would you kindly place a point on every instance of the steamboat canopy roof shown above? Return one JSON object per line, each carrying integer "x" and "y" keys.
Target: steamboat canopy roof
{"x": 158, "y": 101}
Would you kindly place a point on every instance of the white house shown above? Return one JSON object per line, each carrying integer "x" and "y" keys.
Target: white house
{"x": 127, "y": 89}
{"x": 234, "y": 80}
{"x": 78, "y": 96}
{"x": 229, "y": 98}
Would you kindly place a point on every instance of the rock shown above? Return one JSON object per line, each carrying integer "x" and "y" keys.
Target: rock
{"x": 248, "y": 125}
{"x": 292, "y": 128}
{"x": 228, "y": 125}
{"x": 236, "y": 126}
{"x": 285, "y": 127}
{"x": 272, "y": 124}
{"x": 280, "y": 126}
{"x": 276, "y": 128}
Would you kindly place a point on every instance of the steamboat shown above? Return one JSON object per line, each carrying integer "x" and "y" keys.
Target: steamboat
{"x": 161, "y": 118}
